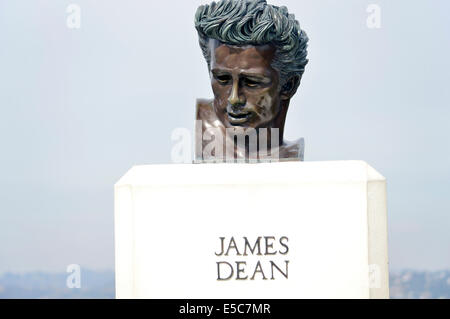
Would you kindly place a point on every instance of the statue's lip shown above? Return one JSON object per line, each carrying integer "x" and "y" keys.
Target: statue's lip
{"x": 238, "y": 118}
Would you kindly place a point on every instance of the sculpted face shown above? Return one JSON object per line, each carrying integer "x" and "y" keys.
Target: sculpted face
{"x": 246, "y": 87}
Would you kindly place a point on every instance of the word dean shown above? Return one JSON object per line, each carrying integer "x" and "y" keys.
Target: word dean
{"x": 270, "y": 266}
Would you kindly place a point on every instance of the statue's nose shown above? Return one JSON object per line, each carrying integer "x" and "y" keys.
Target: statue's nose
{"x": 235, "y": 99}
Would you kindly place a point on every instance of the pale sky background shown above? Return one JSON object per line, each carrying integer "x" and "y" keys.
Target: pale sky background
{"x": 80, "y": 107}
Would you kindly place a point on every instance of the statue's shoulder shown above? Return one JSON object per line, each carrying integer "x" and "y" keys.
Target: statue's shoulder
{"x": 293, "y": 150}
{"x": 204, "y": 109}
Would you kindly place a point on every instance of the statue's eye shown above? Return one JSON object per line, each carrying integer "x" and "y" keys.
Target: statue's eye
{"x": 223, "y": 79}
{"x": 251, "y": 83}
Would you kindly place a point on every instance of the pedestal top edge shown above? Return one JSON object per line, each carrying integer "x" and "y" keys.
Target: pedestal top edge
{"x": 249, "y": 173}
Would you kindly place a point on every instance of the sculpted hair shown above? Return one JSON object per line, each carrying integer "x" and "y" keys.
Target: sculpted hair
{"x": 254, "y": 22}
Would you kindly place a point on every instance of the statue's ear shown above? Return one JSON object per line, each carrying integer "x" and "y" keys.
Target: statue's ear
{"x": 290, "y": 87}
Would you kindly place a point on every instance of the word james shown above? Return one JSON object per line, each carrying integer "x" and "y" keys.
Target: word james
{"x": 261, "y": 269}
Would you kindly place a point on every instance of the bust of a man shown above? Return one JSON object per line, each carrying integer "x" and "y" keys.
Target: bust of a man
{"x": 256, "y": 55}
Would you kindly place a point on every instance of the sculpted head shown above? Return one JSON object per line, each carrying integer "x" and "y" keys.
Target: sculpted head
{"x": 256, "y": 56}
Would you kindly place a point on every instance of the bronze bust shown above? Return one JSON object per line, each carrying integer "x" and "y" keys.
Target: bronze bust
{"x": 256, "y": 55}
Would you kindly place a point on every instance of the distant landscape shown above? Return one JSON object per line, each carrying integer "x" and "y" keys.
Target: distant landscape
{"x": 407, "y": 284}
{"x": 38, "y": 285}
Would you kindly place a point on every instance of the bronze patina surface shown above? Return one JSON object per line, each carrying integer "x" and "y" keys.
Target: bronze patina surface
{"x": 256, "y": 56}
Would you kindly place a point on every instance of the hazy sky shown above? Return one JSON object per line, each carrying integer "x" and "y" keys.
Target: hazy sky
{"x": 79, "y": 107}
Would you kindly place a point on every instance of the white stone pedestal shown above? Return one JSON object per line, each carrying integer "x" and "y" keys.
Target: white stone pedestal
{"x": 323, "y": 225}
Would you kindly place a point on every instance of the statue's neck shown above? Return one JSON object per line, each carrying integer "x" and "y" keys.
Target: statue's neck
{"x": 207, "y": 119}
{"x": 280, "y": 120}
